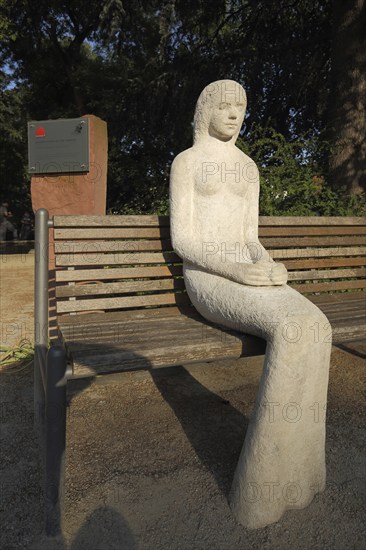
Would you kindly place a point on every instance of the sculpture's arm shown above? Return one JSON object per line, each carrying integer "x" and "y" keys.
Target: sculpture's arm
{"x": 277, "y": 271}
{"x": 188, "y": 245}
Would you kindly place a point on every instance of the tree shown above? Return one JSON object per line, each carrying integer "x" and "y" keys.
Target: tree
{"x": 347, "y": 96}
{"x": 13, "y": 149}
{"x": 142, "y": 66}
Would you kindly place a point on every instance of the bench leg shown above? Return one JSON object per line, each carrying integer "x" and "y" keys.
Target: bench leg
{"x": 55, "y": 438}
{"x": 39, "y": 398}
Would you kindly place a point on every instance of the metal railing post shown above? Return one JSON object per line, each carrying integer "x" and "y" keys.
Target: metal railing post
{"x": 40, "y": 311}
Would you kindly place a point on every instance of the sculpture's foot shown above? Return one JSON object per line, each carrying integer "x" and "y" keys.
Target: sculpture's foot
{"x": 259, "y": 506}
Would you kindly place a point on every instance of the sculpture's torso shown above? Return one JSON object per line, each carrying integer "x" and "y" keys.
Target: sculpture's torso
{"x": 225, "y": 196}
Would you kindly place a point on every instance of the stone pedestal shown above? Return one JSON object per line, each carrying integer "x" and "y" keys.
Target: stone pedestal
{"x": 75, "y": 193}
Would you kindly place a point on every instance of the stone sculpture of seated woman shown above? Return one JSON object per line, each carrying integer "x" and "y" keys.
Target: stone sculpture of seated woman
{"x": 231, "y": 280}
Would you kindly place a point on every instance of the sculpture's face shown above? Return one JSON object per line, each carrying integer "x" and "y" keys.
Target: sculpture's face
{"x": 227, "y": 116}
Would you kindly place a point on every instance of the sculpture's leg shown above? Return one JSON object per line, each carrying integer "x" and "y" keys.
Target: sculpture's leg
{"x": 282, "y": 463}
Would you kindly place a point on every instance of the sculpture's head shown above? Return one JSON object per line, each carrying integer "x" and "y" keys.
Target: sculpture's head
{"x": 220, "y": 111}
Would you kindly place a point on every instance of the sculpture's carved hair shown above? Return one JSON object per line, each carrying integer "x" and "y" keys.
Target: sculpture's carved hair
{"x": 214, "y": 93}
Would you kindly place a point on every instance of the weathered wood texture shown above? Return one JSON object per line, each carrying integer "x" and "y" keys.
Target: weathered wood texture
{"x": 108, "y": 342}
{"x": 163, "y": 221}
{"x": 127, "y": 262}
{"x": 158, "y": 338}
{"x": 122, "y": 304}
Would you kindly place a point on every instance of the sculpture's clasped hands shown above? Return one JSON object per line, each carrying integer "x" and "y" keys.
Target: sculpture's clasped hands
{"x": 264, "y": 273}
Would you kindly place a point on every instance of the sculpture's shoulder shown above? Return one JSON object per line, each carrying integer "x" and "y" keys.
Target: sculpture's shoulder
{"x": 184, "y": 160}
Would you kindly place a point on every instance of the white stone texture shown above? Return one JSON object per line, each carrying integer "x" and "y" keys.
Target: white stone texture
{"x": 231, "y": 280}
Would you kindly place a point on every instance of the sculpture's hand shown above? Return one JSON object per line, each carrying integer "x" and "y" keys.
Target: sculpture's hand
{"x": 278, "y": 274}
{"x": 258, "y": 274}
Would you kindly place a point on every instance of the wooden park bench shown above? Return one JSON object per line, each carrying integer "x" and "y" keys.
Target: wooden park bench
{"x": 121, "y": 304}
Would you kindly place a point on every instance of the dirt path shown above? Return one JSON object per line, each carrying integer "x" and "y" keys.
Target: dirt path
{"x": 149, "y": 464}
{"x": 16, "y": 298}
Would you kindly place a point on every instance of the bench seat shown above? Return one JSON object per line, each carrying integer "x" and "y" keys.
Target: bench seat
{"x": 101, "y": 343}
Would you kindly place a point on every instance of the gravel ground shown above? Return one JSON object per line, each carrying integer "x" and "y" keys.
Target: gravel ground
{"x": 150, "y": 461}
{"x": 16, "y": 298}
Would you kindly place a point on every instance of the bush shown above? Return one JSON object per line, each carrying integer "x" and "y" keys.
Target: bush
{"x": 293, "y": 182}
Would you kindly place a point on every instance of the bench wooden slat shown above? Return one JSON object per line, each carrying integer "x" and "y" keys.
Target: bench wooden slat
{"x": 311, "y": 220}
{"x": 325, "y": 287}
{"x": 118, "y": 273}
{"x": 74, "y": 247}
{"x": 130, "y": 316}
{"x": 291, "y": 231}
{"x": 332, "y": 262}
{"x": 354, "y": 296}
{"x": 282, "y": 254}
{"x": 272, "y": 242}
{"x": 181, "y": 298}
{"x": 326, "y": 274}
{"x": 117, "y": 325}
{"x": 154, "y": 220}
{"x": 112, "y": 221}
{"x": 122, "y": 302}
{"x": 345, "y": 314}
{"x": 129, "y": 258}
{"x": 117, "y": 288}
{"x": 113, "y": 233}
{"x": 333, "y": 301}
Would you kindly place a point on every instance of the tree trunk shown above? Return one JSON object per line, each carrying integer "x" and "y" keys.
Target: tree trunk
{"x": 347, "y": 113}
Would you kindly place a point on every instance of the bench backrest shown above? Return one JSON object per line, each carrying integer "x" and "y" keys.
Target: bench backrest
{"x": 127, "y": 262}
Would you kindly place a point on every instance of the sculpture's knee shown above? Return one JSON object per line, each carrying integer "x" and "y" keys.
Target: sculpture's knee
{"x": 304, "y": 327}
{"x": 318, "y": 328}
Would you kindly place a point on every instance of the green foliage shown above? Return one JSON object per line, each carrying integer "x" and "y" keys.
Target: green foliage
{"x": 15, "y": 186}
{"x": 20, "y": 355}
{"x": 293, "y": 179}
{"x": 141, "y": 66}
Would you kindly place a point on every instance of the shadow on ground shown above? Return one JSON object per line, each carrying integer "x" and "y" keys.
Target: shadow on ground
{"x": 210, "y": 426}
{"x": 214, "y": 428}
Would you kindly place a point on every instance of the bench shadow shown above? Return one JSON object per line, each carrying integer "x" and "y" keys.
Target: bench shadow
{"x": 349, "y": 347}
{"x": 22, "y": 482}
{"x": 105, "y": 529}
{"x": 213, "y": 426}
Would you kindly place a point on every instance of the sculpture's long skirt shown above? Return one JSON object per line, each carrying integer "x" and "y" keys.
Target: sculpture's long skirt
{"x": 282, "y": 463}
